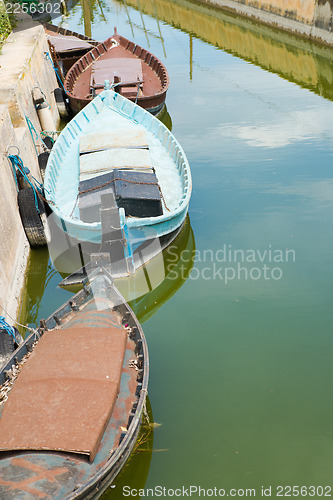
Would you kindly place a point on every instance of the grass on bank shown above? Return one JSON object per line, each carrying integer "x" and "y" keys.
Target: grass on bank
{"x": 5, "y": 24}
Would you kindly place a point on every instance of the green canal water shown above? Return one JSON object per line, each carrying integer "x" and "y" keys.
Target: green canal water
{"x": 241, "y": 339}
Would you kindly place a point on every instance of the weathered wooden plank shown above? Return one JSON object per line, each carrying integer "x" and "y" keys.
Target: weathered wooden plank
{"x": 114, "y": 158}
{"x": 113, "y": 139}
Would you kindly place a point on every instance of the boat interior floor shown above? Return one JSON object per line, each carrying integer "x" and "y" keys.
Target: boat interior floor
{"x": 136, "y": 77}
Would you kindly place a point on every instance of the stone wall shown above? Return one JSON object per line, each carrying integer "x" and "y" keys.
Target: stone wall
{"x": 299, "y": 10}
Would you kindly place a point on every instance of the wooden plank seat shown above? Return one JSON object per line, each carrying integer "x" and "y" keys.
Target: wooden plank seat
{"x": 101, "y": 153}
{"x": 120, "y": 138}
{"x": 109, "y": 159}
{"x": 64, "y": 395}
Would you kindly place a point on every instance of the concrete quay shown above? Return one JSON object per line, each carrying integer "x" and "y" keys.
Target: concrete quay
{"x": 23, "y": 66}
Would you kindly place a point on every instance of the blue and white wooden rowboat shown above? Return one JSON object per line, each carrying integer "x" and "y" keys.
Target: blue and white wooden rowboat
{"x": 110, "y": 111}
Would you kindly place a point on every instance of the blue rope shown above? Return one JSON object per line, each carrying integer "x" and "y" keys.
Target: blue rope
{"x": 5, "y": 326}
{"x": 14, "y": 170}
{"x": 17, "y": 164}
{"x": 43, "y": 96}
{"x": 32, "y": 129}
{"x": 47, "y": 55}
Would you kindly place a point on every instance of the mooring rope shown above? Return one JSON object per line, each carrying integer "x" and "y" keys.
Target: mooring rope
{"x": 32, "y": 330}
{"x": 43, "y": 94}
{"x": 6, "y": 326}
{"x": 38, "y": 136}
{"x": 46, "y": 133}
{"x": 47, "y": 56}
{"x": 17, "y": 165}
{"x": 32, "y": 129}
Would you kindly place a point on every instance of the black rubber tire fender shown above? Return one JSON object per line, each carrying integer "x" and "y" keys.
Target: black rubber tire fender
{"x": 60, "y": 100}
{"x": 42, "y": 161}
{"x": 31, "y": 219}
{"x": 18, "y": 338}
{"x": 48, "y": 141}
{"x": 7, "y": 342}
{"x": 21, "y": 180}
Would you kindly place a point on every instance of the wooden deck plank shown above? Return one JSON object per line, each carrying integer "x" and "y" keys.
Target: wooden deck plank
{"x": 93, "y": 164}
{"x": 98, "y": 141}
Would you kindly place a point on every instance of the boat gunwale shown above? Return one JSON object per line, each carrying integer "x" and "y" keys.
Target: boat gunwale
{"x": 66, "y": 32}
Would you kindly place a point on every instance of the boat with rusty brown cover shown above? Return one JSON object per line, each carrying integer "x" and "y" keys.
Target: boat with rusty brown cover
{"x": 66, "y": 46}
{"x": 73, "y": 393}
{"x": 134, "y": 72}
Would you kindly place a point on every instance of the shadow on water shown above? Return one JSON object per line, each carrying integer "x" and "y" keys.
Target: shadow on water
{"x": 38, "y": 274}
{"x": 293, "y": 58}
{"x": 178, "y": 263}
{"x": 165, "y": 118}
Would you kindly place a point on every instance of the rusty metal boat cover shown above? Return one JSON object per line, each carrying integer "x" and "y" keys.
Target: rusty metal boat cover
{"x": 64, "y": 395}
{"x": 63, "y": 43}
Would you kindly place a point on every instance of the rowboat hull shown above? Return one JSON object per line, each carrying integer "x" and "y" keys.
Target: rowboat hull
{"x": 63, "y": 167}
{"x": 138, "y": 232}
{"x": 153, "y": 104}
{"x": 150, "y": 94}
{"x": 59, "y": 475}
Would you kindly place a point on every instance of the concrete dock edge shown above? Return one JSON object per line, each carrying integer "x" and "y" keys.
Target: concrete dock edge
{"x": 23, "y": 66}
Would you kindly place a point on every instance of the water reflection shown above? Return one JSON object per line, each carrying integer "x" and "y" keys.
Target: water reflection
{"x": 165, "y": 118}
{"x": 177, "y": 267}
{"x": 293, "y": 58}
{"x": 298, "y": 60}
{"x": 38, "y": 275}
{"x": 90, "y": 11}
{"x": 145, "y": 299}
{"x": 296, "y": 126}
